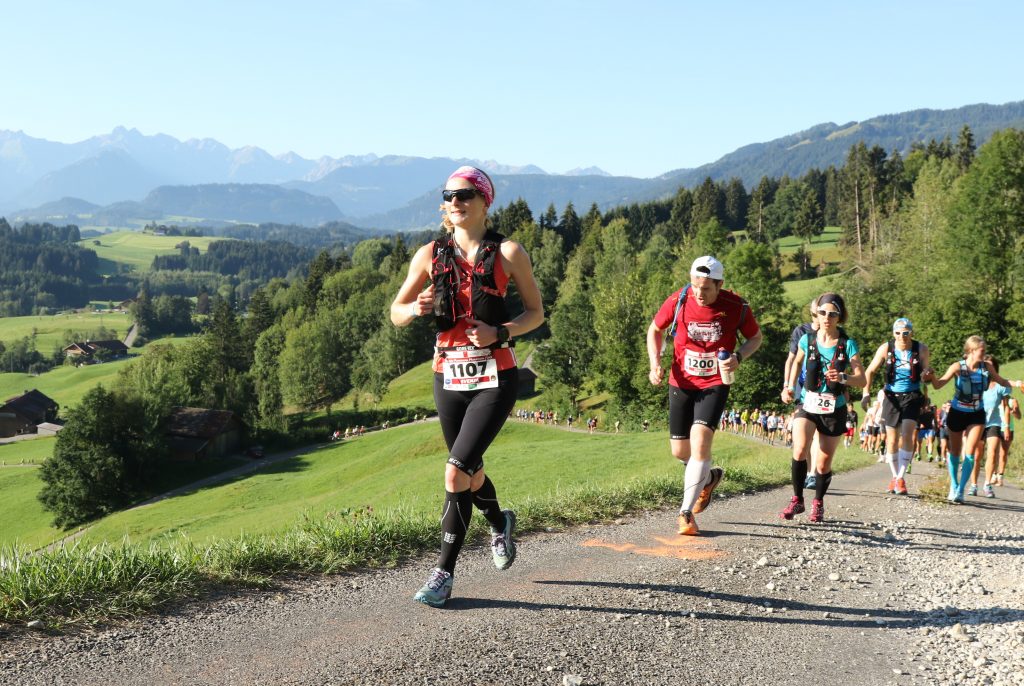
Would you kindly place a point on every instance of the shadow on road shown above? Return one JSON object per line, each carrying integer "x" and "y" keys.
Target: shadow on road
{"x": 855, "y": 617}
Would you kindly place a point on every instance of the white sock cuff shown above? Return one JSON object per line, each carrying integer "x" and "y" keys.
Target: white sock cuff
{"x": 696, "y": 476}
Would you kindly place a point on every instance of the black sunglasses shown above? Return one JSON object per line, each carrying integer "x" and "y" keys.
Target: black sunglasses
{"x": 901, "y": 333}
{"x": 462, "y": 194}
{"x": 826, "y": 313}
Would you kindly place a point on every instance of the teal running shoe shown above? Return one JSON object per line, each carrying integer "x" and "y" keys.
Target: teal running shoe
{"x": 437, "y": 590}
{"x": 503, "y": 548}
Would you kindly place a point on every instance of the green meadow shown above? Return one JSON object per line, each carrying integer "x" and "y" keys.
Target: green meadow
{"x": 67, "y": 384}
{"x": 138, "y": 249}
{"x": 49, "y": 329}
{"x": 24, "y": 519}
{"x": 402, "y": 469}
{"x": 33, "y": 451}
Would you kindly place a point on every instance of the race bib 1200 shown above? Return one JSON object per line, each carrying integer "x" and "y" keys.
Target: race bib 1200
{"x": 698, "y": 363}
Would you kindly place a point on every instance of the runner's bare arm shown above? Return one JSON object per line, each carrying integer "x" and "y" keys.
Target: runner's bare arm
{"x": 520, "y": 271}
{"x": 927, "y": 373}
{"x": 654, "y": 339}
{"x": 869, "y": 373}
{"x": 411, "y": 301}
{"x": 994, "y": 375}
{"x": 794, "y": 374}
{"x": 945, "y": 378}
{"x": 856, "y": 377}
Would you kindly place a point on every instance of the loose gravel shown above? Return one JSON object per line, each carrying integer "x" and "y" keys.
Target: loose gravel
{"x": 890, "y": 590}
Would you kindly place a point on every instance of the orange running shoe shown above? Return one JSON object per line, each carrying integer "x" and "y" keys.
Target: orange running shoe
{"x": 704, "y": 499}
{"x": 901, "y": 487}
{"x": 892, "y": 485}
{"x": 687, "y": 524}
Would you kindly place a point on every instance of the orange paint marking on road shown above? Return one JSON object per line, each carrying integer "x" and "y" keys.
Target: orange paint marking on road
{"x": 679, "y": 547}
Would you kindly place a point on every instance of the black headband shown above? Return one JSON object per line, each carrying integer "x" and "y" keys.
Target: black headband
{"x": 831, "y": 299}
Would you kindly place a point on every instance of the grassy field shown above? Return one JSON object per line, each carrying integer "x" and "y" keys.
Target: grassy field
{"x": 828, "y": 239}
{"x": 801, "y": 292}
{"x": 34, "y": 451}
{"x": 138, "y": 249}
{"x": 49, "y": 329}
{"x": 68, "y": 384}
{"x": 402, "y": 469}
{"x": 23, "y": 517}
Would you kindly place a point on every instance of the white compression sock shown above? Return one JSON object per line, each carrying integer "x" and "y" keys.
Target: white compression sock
{"x": 905, "y": 456}
{"x": 696, "y": 476}
{"x": 890, "y": 459}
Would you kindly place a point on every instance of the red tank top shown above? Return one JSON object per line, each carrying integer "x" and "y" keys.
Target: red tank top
{"x": 456, "y": 336}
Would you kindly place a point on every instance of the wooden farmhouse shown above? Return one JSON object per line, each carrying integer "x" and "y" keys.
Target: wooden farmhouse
{"x": 23, "y": 413}
{"x": 195, "y": 433}
{"x": 85, "y": 353}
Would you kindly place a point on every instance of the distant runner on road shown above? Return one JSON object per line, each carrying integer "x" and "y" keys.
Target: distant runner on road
{"x": 704, "y": 320}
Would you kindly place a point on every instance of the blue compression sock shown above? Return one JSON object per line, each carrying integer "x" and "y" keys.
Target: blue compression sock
{"x": 966, "y": 467}
{"x": 953, "y": 465}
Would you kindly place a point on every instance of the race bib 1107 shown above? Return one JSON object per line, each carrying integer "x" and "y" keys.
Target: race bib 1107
{"x": 470, "y": 370}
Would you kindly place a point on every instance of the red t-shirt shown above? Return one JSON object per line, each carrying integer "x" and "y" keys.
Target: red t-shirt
{"x": 456, "y": 336}
{"x": 703, "y": 331}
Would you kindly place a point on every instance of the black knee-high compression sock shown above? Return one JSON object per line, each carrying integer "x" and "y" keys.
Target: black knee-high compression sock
{"x": 458, "y": 509}
{"x": 821, "y": 485}
{"x": 486, "y": 500}
{"x": 798, "y": 470}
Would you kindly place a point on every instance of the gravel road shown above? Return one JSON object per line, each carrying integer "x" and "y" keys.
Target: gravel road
{"x": 890, "y": 590}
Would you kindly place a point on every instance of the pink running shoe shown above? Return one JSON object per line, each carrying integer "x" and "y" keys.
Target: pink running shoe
{"x": 795, "y": 507}
{"x": 817, "y": 511}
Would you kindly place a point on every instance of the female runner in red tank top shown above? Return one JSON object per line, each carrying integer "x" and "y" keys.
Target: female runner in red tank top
{"x": 475, "y": 369}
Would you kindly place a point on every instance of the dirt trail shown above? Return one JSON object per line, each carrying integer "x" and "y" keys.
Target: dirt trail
{"x": 754, "y": 600}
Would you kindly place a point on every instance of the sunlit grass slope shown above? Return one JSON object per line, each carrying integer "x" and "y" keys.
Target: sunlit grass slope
{"x": 22, "y": 516}
{"x": 32, "y": 451}
{"x": 68, "y": 384}
{"x": 50, "y": 329}
{"x": 403, "y": 468}
{"x": 138, "y": 249}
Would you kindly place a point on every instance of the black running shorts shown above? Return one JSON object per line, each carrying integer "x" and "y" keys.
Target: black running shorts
{"x": 898, "y": 407}
{"x": 993, "y": 432}
{"x": 826, "y": 424}
{"x": 687, "y": 407}
{"x": 471, "y": 419}
{"x": 959, "y": 421}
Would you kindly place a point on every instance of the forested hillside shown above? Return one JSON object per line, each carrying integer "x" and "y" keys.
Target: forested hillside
{"x": 918, "y": 233}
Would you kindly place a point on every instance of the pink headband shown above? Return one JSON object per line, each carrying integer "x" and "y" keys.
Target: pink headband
{"x": 478, "y": 179}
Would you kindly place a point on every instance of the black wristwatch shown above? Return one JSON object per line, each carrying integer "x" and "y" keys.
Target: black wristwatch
{"x": 503, "y": 334}
{"x": 739, "y": 358}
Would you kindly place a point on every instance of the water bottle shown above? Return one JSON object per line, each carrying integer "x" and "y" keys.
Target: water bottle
{"x": 727, "y": 377}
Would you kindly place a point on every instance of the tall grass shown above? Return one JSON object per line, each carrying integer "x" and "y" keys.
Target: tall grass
{"x": 76, "y": 584}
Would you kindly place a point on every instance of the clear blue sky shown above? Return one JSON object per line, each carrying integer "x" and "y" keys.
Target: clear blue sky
{"x": 637, "y": 88}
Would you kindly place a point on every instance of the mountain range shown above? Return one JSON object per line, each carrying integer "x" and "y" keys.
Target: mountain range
{"x": 127, "y": 176}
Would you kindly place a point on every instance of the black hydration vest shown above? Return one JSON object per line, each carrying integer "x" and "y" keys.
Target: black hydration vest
{"x": 487, "y": 303}
{"x": 915, "y": 362}
{"x": 815, "y": 368}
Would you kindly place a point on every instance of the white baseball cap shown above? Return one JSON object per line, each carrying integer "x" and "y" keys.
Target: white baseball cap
{"x": 707, "y": 266}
